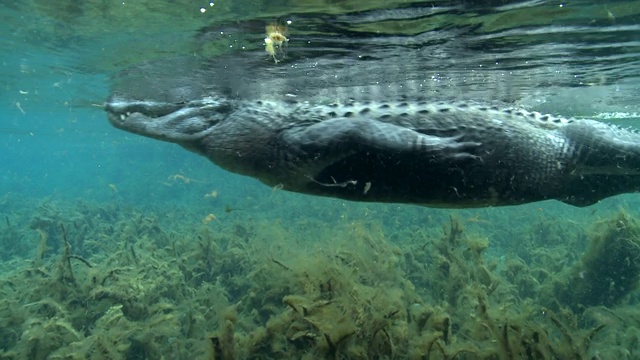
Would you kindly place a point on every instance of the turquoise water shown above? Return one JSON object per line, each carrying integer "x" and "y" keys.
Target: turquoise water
{"x": 57, "y": 62}
{"x": 67, "y": 174}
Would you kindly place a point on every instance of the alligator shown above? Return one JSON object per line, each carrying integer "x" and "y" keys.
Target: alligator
{"x": 438, "y": 154}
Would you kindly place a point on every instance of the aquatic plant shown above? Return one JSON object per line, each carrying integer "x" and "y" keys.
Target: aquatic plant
{"x": 608, "y": 271}
{"x": 112, "y": 282}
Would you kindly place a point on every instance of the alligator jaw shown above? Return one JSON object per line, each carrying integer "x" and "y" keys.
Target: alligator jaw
{"x": 180, "y": 123}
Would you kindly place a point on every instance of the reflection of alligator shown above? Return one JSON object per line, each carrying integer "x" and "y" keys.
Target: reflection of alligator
{"x": 434, "y": 154}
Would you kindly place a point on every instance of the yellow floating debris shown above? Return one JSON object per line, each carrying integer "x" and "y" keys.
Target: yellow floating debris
{"x": 275, "y": 39}
{"x": 209, "y": 218}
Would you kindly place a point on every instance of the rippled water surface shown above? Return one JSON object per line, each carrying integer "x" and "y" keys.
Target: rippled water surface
{"x": 578, "y": 57}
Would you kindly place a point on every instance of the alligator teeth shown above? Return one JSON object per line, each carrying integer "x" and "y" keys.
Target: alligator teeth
{"x": 122, "y": 117}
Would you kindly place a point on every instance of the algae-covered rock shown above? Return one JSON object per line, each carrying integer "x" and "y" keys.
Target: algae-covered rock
{"x": 607, "y": 272}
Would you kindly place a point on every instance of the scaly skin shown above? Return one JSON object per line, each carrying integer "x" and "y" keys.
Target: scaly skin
{"x": 433, "y": 154}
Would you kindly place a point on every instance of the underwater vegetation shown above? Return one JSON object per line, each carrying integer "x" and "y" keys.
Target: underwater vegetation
{"x": 607, "y": 272}
{"x": 107, "y": 281}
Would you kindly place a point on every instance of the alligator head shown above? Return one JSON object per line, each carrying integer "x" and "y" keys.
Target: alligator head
{"x": 182, "y": 122}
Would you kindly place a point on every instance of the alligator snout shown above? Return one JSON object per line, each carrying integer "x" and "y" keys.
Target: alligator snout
{"x": 168, "y": 121}
{"x": 123, "y": 108}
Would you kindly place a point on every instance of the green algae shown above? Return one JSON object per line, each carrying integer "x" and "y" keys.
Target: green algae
{"x": 111, "y": 282}
{"x": 607, "y": 272}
